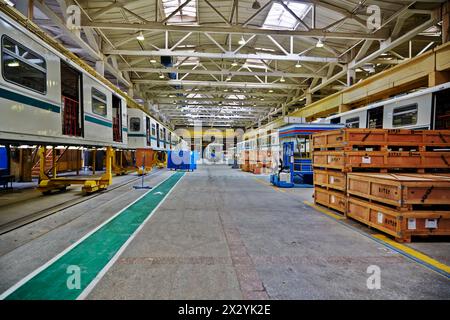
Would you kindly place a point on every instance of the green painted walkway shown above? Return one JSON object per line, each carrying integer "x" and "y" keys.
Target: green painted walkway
{"x": 93, "y": 253}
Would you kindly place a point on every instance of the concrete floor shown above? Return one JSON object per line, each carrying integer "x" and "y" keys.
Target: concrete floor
{"x": 25, "y": 201}
{"x": 225, "y": 234}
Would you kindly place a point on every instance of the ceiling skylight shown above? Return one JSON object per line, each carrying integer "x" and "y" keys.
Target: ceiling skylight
{"x": 188, "y": 14}
{"x": 280, "y": 18}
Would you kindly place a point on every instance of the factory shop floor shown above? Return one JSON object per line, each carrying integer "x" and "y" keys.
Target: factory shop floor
{"x": 224, "y": 234}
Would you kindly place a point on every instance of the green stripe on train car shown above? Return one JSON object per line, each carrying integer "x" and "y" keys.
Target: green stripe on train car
{"x": 98, "y": 121}
{"x": 136, "y": 134}
{"x": 17, "y": 97}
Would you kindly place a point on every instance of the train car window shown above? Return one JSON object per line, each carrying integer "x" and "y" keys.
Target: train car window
{"x": 99, "y": 102}
{"x": 405, "y": 115}
{"x": 442, "y": 110}
{"x": 335, "y": 120}
{"x": 153, "y": 130}
{"x": 23, "y": 67}
{"x": 352, "y": 122}
{"x": 375, "y": 118}
{"x": 135, "y": 124}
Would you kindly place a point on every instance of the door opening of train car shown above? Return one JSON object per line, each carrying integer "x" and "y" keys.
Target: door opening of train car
{"x": 71, "y": 101}
{"x": 117, "y": 118}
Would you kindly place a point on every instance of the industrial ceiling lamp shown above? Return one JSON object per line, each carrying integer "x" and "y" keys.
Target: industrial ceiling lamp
{"x": 256, "y": 5}
{"x": 282, "y": 79}
{"x": 161, "y": 76}
{"x": 152, "y": 60}
{"x": 319, "y": 43}
{"x": 234, "y": 63}
{"x": 298, "y": 65}
{"x": 228, "y": 77}
{"x": 140, "y": 36}
{"x": 241, "y": 41}
{"x": 270, "y": 90}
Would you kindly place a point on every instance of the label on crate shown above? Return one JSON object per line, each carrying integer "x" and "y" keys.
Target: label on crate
{"x": 366, "y": 160}
{"x": 431, "y": 223}
{"x": 331, "y": 179}
{"x": 411, "y": 224}
{"x": 380, "y": 217}
{"x": 333, "y": 199}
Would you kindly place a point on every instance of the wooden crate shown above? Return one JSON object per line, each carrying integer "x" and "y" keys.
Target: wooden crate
{"x": 401, "y": 225}
{"x": 350, "y": 138}
{"x": 401, "y": 190}
{"x": 245, "y": 167}
{"x": 330, "y": 179}
{"x": 331, "y": 199}
{"x": 346, "y": 160}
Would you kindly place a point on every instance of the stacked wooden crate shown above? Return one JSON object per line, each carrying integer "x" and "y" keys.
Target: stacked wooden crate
{"x": 245, "y": 160}
{"x": 402, "y": 205}
{"x": 397, "y": 156}
{"x": 262, "y": 162}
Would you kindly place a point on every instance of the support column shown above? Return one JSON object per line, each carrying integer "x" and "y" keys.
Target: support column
{"x": 344, "y": 108}
{"x": 351, "y": 77}
{"x": 309, "y": 98}
{"x": 100, "y": 67}
{"x": 54, "y": 171}
{"x": 94, "y": 156}
{"x": 446, "y": 22}
{"x": 108, "y": 172}
{"x": 42, "y": 175}
{"x": 436, "y": 78}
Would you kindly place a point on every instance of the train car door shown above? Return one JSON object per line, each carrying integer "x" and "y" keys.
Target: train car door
{"x": 375, "y": 118}
{"x": 117, "y": 118}
{"x": 147, "y": 131}
{"x": 441, "y": 110}
{"x": 157, "y": 135}
{"x": 164, "y": 135}
{"x": 71, "y": 101}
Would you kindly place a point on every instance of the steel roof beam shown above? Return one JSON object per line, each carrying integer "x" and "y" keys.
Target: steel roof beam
{"x": 225, "y": 72}
{"x": 225, "y": 55}
{"x": 223, "y": 84}
{"x": 235, "y": 29}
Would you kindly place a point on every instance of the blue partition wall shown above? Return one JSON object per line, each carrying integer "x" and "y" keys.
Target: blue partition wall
{"x": 182, "y": 160}
{"x": 3, "y": 158}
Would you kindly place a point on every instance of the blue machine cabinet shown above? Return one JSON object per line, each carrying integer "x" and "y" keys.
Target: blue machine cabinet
{"x": 182, "y": 160}
{"x": 297, "y": 167}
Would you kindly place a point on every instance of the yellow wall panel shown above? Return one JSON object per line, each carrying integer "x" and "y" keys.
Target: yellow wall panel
{"x": 443, "y": 57}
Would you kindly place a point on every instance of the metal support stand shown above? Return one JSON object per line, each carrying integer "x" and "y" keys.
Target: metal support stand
{"x": 142, "y": 179}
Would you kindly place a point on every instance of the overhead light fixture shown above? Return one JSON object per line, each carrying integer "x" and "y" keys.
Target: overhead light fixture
{"x": 241, "y": 41}
{"x": 234, "y": 63}
{"x": 228, "y": 77}
{"x": 161, "y": 76}
{"x": 140, "y": 36}
{"x": 262, "y": 99}
{"x": 298, "y": 65}
{"x": 282, "y": 79}
{"x": 270, "y": 90}
{"x": 256, "y": 5}
{"x": 319, "y": 43}
{"x": 152, "y": 60}
{"x": 225, "y": 90}
{"x": 14, "y": 63}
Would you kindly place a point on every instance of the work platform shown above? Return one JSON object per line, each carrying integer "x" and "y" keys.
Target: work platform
{"x": 219, "y": 233}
